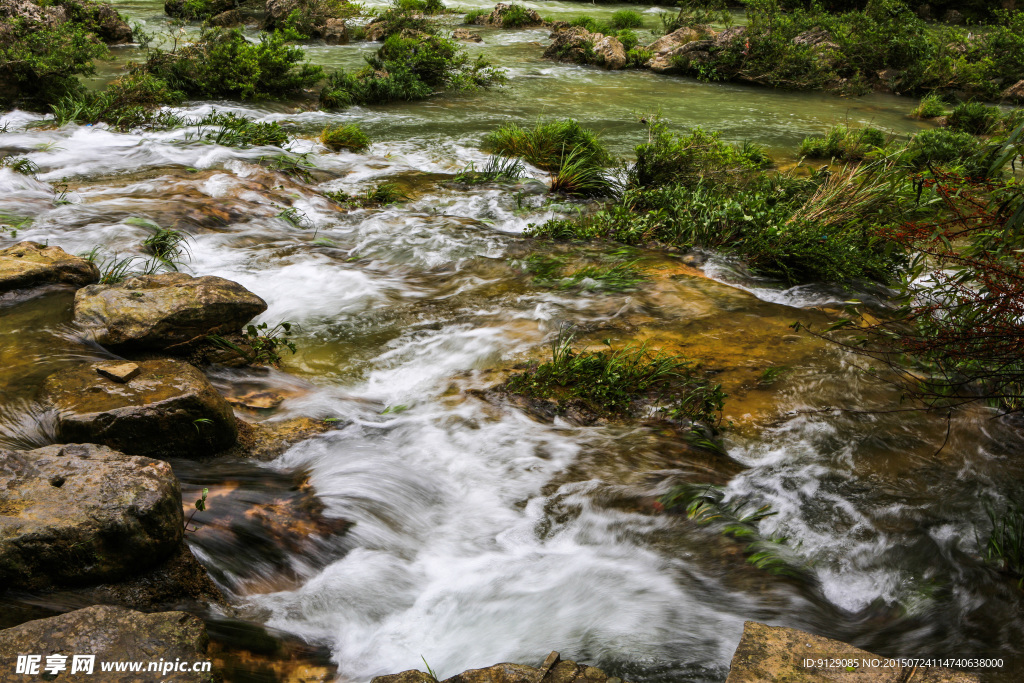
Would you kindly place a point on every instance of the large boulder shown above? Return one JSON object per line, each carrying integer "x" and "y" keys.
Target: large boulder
{"x": 80, "y": 513}
{"x": 169, "y": 409}
{"x": 158, "y": 312}
{"x": 577, "y": 44}
{"x": 110, "y": 634}
{"x": 30, "y": 264}
{"x": 774, "y": 653}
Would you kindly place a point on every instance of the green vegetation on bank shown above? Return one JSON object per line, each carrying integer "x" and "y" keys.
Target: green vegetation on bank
{"x": 884, "y": 44}
{"x": 620, "y": 383}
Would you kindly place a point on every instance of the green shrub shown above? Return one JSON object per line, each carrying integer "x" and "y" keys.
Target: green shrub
{"x": 592, "y": 25}
{"x": 669, "y": 159}
{"x": 942, "y": 146}
{"x": 843, "y": 144}
{"x": 627, "y": 18}
{"x": 974, "y": 118}
{"x": 127, "y": 102}
{"x": 628, "y": 38}
{"x": 223, "y": 64}
{"x": 930, "y": 107}
{"x": 409, "y": 68}
{"x": 473, "y": 15}
{"x": 548, "y": 143}
{"x": 349, "y": 136}
{"x": 424, "y": 6}
{"x": 381, "y": 195}
{"x": 638, "y": 57}
{"x": 39, "y": 64}
{"x": 395, "y": 21}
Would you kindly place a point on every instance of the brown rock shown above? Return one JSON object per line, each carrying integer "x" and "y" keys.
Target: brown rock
{"x": 552, "y": 671}
{"x": 335, "y": 32}
{"x": 671, "y": 41}
{"x": 611, "y": 54}
{"x": 164, "y": 311}
{"x": 120, "y": 373}
{"x": 232, "y": 17}
{"x": 499, "y": 17}
{"x": 82, "y": 513}
{"x": 111, "y": 634}
{"x": 1015, "y": 93}
{"x": 466, "y": 35}
{"x": 30, "y": 264}
{"x": 169, "y": 410}
{"x": 772, "y": 653}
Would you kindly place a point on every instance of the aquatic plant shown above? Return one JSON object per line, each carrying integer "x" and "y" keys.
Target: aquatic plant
{"x": 737, "y": 518}
{"x": 473, "y": 15}
{"x": 200, "y": 504}
{"x": 127, "y": 102}
{"x": 22, "y": 165}
{"x": 267, "y": 343}
{"x": 221, "y": 63}
{"x": 379, "y": 195}
{"x": 349, "y": 136}
{"x": 614, "y": 382}
{"x": 1004, "y": 548}
{"x": 296, "y": 166}
{"x": 578, "y": 175}
{"x": 115, "y": 268}
{"x": 548, "y": 143}
{"x": 550, "y": 271}
{"x": 497, "y": 168}
{"x": 165, "y": 244}
{"x": 974, "y": 118}
{"x": 232, "y": 130}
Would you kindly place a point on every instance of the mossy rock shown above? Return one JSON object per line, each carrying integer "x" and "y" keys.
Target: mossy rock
{"x": 30, "y": 264}
{"x": 169, "y": 409}
{"x": 165, "y": 311}
{"x": 81, "y": 514}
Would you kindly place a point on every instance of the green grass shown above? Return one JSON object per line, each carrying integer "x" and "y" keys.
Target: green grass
{"x": 231, "y": 130}
{"x": 1004, "y": 548}
{"x": 974, "y": 118}
{"x": 473, "y": 15}
{"x": 22, "y": 165}
{"x": 516, "y": 16}
{"x": 615, "y": 382}
{"x": 165, "y": 244}
{"x": 627, "y": 18}
{"x": 380, "y": 195}
{"x": 551, "y": 272}
{"x": 579, "y": 175}
{"x": 497, "y": 169}
{"x": 349, "y": 136}
{"x": 844, "y": 144}
{"x": 548, "y": 144}
{"x": 930, "y": 107}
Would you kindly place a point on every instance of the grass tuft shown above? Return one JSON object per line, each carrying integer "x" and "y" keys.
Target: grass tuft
{"x": 349, "y": 136}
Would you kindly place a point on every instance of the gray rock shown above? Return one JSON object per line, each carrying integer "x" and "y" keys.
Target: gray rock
{"x": 30, "y": 264}
{"x": 611, "y": 54}
{"x": 81, "y": 513}
{"x": 112, "y": 634}
{"x": 158, "y": 312}
{"x": 553, "y": 670}
{"x": 169, "y": 410}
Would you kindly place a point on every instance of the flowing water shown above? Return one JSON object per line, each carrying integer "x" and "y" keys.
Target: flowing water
{"x": 479, "y": 535}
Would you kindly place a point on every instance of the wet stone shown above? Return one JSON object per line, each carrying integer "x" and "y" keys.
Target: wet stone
{"x": 169, "y": 311}
{"x": 81, "y": 513}
{"x": 169, "y": 410}
{"x": 121, "y": 372}
{"x": 111, "y": 634}
{"x": 30, "y": 264}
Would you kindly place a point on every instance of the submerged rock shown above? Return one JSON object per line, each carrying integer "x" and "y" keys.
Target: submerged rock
{"x": 466, "y": 35}
{"x": 82, "y": 513}
{"x": 169, "y": 409}
{"x": 165, "y": 311}
{"x": 30, "y": 264}
{"x": 111, "y": 634}
{"x": 553, "y": 670}
{"x": 775, "y": 653}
